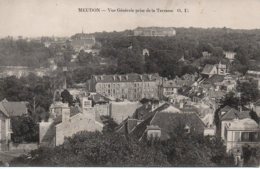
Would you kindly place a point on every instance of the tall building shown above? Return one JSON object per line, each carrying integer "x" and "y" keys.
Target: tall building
{"x": 154, "y": 31}
{"x": 82, "y": 41}
{"x": 128, "y": 86}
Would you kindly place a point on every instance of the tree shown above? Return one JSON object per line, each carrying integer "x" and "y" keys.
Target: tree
{"x": 24, "y": 129}
{"x": 66, "y": 97}
{"x": 96, "y": 149}
{"x": 249, "y": 92}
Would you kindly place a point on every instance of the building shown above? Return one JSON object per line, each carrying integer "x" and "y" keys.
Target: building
{"x": 82, "y": 41}
{"x": 170, "y": 87}
{"x": 9, "y": 109}
{"x": 154, "y": 31}
{"x": 119, "y": 111}
{"x": 254, "y": 75}
{"x": 219, "y": 69}
{"x": 5, "y": 129}
{"x": 239, "y": 133}
{"x": 227, "y": 114}
{"x": 162, "y": 122}
{"x": 71, "y": 121}
{"x": 230, "y": 55}
{"x": 132, "y": 87}
{"x": 256, "y": 107}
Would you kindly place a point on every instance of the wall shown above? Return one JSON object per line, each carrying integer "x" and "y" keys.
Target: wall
{"x": 3, "y": 138}
{"x": 102, "y": 109}
{"x": 121, "y": 110}
{"x": 43, "y": 128}
{"x": 77, "y": 123}
{"x": 24, "y": 147}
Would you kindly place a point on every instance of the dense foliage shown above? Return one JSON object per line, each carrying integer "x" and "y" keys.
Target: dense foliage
{"x": 24, "y": 129}
{"x": 124, "y": 51}
{"x": 23, "y": 53}
{"x": 35, "y": 90}
{"x": 113, "y": 149}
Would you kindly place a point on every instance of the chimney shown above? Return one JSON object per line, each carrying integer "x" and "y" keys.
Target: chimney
{"x": 65, "y": 111}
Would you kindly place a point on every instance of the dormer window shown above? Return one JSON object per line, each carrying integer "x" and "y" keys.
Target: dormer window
{"x": 187, "y": 129}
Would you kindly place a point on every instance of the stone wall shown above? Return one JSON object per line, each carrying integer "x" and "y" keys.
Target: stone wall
{"x": 119, "y": 111}
{"x": 75, "y": 124}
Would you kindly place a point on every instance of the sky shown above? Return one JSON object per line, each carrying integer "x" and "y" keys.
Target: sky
{"x": 32, "y": 18}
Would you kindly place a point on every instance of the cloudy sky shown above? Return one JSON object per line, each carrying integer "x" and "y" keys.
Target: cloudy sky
{"x": 61, "y": 17}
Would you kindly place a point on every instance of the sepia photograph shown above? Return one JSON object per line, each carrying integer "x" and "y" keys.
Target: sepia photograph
{"x": 129, "y": 83}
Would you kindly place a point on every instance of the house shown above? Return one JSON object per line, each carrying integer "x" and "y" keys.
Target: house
{"x": 252, "y": 74}
{"x": 227, "y": 114}
{"x": 162, "y": 122}
{"x": 154, "y": 31}
{"x": 209, "y": 70}
{"x": 131, "y": 86}
{"x": 230, "y": 55}
{"x": 170, "y": 87}
{"x": 219, "y": 69}
{"x": 5, "y": 129}
{"x": 256, "y": 107}
{"x": 9, "y": 109}
{"x": 15, "y": 108}
{"x": 71, "y": 121}
{"x": 239, "y": 133}
{"x": 82, "y": 41}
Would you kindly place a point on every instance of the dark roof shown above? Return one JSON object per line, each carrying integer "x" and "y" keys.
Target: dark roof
{"x": 14, "y": 108}
{"x": 132, "y": 77}
{"x": 257, "y": 103}
{"x": 98, "y": 98}
{"x": 231, "y": 113}
{"x": 142, "y": 112}
{"x": 168, "y": 121}
{"x": 214, "y": 79}
{"x": 207, "y": 69}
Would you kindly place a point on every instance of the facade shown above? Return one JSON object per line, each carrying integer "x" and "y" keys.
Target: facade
{"x": 132, "y": 87}
{"x": 254, "y": 75}
{"x": 70, "y": 121}
{"x": 210, "y": 70}
{"x": 82, "y": 41}
{"x": 239, "y": 133}
{"x": 161, "y": 122}
{"x": 230, "y": 55}
{"x": 227, "y": 115}
{"x": 154, "y": 31}
{"x": 5, "y": 129}
{"x": 9, "y": 109}
{"x": 119, "y": 111}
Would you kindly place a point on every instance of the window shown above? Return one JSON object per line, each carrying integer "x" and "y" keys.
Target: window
{"x": 245, "y": 136}
{"x": 187, "y": 129}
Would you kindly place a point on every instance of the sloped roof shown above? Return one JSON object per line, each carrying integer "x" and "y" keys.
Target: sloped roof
{"x": 257, "y": 103}
{"x": 131, "y": 77}
{"x": 207, "y": 69}
{"x": 244, "y": 124}
{"x": 214, "y": 79}
{"x": 232, "y": 113}
{"x": 168, "y": 119}
{"x": 98, "y": 98}
{"x": 14, "y": 108}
